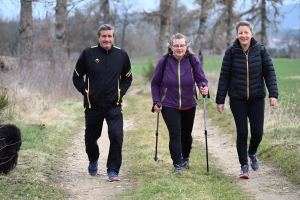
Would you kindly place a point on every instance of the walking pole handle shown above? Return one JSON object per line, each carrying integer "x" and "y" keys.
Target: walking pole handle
{"x": 203, "y": 85}
{"x": 204, "y": 96}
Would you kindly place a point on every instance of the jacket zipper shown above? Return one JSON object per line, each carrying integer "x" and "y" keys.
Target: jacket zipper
{"x": 179, "y": 85}
{"x": 247, "y": 66}
{"x": 119, "y": 95}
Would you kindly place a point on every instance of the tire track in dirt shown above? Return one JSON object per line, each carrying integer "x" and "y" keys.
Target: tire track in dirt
{"x": 266, "y": 183}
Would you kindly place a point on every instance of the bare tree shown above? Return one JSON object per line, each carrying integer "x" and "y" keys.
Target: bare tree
{"x": 229, "y": 8}
{"x": 205, "y": 8}
{"x": 265, "y": 22}
{"x": 105, "y": 11}
{"x": 124, "y": 18}
{"x": 260, "y": 14}
{"x": 165, "y": 21}
{"x": 264, "y": 18}
{"x": 60, "y": 32}
{"x": 26, "y": 33}
{"x": 102, "y": 11}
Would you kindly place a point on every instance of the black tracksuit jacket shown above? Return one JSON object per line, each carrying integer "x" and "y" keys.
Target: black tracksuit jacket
{"x": 107, "y": 76}
{"x": 245, "y": 74}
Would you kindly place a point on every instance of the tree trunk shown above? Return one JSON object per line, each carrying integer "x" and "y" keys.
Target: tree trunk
{"x": 26, "y": 33}
{"x": 229, "y": 8}
{"x": 125, "y": 23}
{"x": 204, "y": 4}
{"x": 264, "y": 20}
{"x": 59, "y": 54}
{"x": 105, "y": 11}
{"x": 165, "y": 25}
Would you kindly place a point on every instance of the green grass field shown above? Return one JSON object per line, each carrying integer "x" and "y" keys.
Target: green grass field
{"x": 42, "y": 150}
{"x": 280, "y": 146}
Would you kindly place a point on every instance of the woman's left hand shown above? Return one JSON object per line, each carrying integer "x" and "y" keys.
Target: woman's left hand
{"x": 272, "y": 101}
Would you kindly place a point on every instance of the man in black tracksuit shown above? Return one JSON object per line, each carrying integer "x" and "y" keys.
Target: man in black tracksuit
{"x": 108, "y": 76}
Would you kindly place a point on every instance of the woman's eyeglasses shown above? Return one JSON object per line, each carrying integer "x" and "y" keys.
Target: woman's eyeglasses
{"x": 176, "y": 46}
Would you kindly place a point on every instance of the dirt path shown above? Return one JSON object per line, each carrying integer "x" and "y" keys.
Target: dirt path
{"x": 75, "y": 178}
{"x": 264, "y": 184}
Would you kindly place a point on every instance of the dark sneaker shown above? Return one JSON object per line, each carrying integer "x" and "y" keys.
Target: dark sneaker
{"x": 254, "y": 162}
{"x": 177, "y": 169}
{"x": 185, "y": 164}
{"x": 93, "y": 168}
{"x": 113, "y": 176}
{"x": 244, "y": 172}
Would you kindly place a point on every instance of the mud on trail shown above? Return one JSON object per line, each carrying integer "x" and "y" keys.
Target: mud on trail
{"x": 267, "y": 183}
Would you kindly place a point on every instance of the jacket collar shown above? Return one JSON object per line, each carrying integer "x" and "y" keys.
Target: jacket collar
{"x": 104, "y": 50}
{"x": 236, "y": 43}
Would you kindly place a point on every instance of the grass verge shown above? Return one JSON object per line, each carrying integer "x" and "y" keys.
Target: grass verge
{"x": 154, "y": 180}
{"x": 41, "y": 154}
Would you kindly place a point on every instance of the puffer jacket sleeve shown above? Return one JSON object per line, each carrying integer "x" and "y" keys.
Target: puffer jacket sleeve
{"x": 269, "y": 74}
{"x": 224, "y": 77}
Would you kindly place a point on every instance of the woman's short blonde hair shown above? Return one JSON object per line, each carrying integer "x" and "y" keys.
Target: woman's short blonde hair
{"x": 244, "y": 23}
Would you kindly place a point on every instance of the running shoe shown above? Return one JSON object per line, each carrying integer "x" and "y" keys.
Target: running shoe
{"x": 185, "y": 164}
{"x": 254, "y": 162}
{"x": 93, "y": 168}
{"x": 244, "y": 172}
{"x": 113, "y": 176}
{"x": 177, "y": 169}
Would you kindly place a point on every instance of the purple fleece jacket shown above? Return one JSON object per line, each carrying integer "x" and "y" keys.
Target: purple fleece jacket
{"x": 177, "y": 87}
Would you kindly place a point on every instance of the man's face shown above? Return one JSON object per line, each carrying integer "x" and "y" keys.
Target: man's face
{"x": 106, "y": 39}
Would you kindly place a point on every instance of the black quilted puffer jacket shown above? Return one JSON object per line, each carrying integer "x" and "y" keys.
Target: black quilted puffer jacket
{"x": 244, "y": 74}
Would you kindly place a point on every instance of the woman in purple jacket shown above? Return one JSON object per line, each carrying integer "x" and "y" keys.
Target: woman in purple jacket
{"x": 174, "y": 88}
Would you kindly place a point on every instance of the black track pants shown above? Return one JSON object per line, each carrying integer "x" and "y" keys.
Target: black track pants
{"x": 180, "y": 125}
{"x": 94, "y": 122}
{"x": 242, "y": 110}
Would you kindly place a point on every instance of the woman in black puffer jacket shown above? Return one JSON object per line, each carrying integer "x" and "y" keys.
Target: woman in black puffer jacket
{"x": 246, "y": 69}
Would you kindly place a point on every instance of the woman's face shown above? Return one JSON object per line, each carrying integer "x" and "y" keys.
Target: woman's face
{"x": 244, "y": 35}
{"x": 179, "y": 48}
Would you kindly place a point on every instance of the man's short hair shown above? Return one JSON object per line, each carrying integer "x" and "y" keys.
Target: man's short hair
{"x": 105, "y": 27}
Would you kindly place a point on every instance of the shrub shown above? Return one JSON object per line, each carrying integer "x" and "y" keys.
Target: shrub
{"x": 3, "y": 98}
{"x": 148, "y": 70}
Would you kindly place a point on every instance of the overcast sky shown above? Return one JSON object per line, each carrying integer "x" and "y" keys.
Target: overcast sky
{"x": 10, "y": 9}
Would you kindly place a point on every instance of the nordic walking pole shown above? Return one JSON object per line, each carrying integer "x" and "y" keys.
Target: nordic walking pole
{"x": 205, "y": 130}
{"x": 155, "y": 157}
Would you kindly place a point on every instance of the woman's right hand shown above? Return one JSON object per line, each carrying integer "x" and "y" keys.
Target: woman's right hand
{"x": 220, "y": 108}
{"x": 157, "y": 109}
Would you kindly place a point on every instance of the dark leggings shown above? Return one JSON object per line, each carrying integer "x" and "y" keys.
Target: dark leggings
{"x": 242, "y": 110}
{"x": 180, "y": 125}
